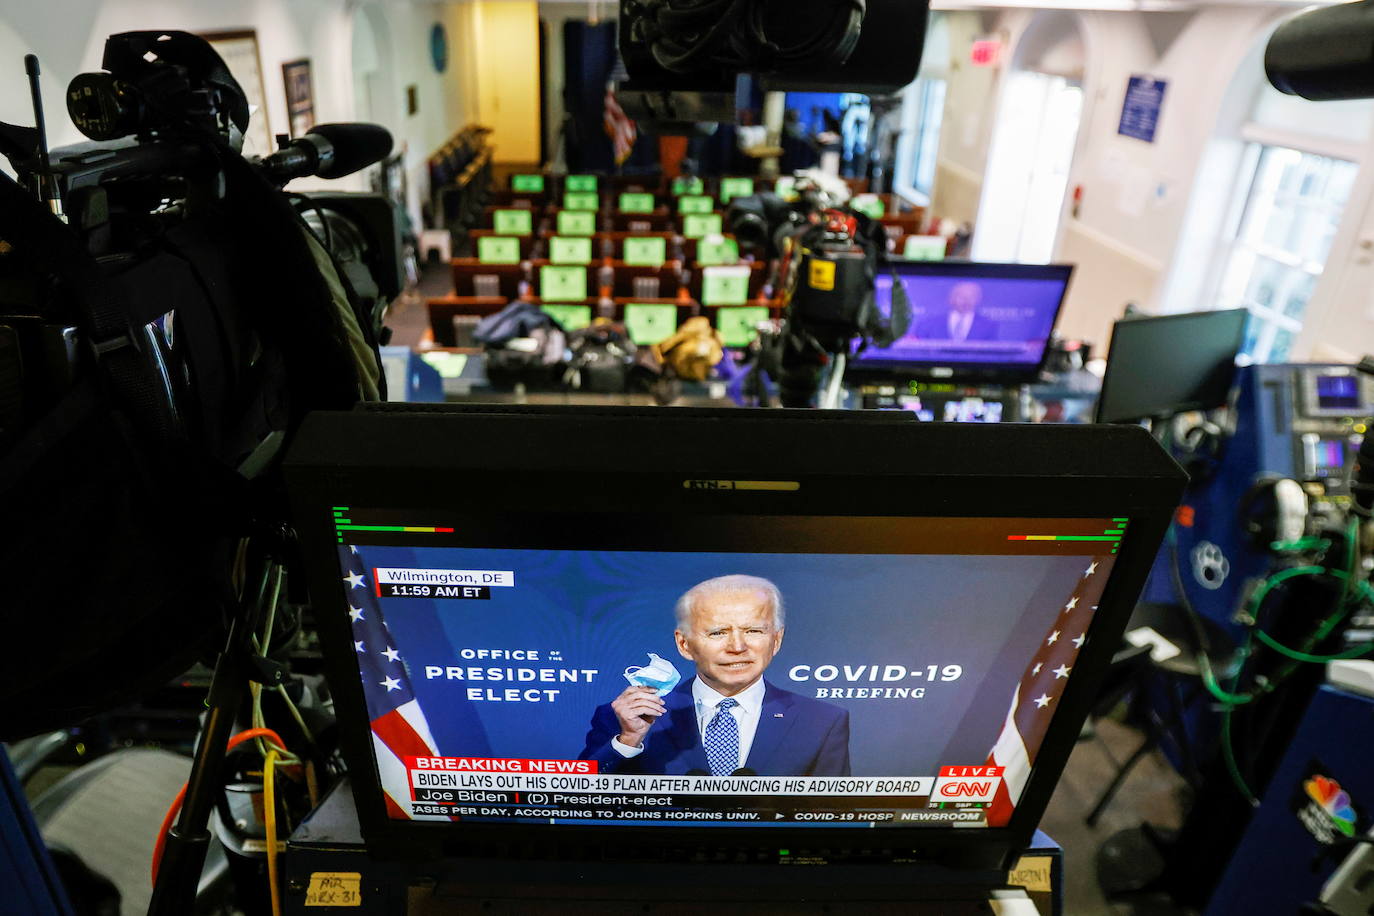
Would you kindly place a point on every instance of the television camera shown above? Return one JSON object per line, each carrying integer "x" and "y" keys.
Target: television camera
{"x": 828, "y": 257}
{"x": 167, "y": 316}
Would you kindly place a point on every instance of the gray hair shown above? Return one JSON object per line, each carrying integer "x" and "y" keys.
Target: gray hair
{"x": 721, "y": 584}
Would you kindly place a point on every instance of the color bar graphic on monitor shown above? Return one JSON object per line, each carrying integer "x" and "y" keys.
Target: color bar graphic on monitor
{"x": 342, "y": 523}
{"x": 1111, "y": 535}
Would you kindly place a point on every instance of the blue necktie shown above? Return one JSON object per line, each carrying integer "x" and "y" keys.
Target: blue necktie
{"x": 722, "y": 740}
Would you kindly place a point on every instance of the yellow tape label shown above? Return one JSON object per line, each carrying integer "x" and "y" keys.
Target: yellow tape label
{"x": 822, "y": 274}
{"x": 1032, "y": 873}
{"x": 334, "y": 888}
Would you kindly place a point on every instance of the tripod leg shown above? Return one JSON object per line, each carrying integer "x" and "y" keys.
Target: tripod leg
{"x": 1125, "y": 770}
{"x": 188, "y": 841}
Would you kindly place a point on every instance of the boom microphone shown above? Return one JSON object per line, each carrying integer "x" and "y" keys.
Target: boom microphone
{"x": 329, "y": 151}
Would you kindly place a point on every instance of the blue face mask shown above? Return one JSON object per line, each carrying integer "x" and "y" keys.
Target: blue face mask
{"x": 658, "y": 674}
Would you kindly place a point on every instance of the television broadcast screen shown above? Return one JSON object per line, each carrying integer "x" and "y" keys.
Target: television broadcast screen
{"x": 732, "y": 675}
{"x": 986, "y": 318}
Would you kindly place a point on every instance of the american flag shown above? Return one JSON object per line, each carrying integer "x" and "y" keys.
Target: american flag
{"x": 619, "y": 127}
{"x": 399, "y": 729}
{"x": 1037, "y": 695}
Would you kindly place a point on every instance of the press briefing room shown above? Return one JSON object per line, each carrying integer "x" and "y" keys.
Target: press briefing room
{"x": 687, "y": 457}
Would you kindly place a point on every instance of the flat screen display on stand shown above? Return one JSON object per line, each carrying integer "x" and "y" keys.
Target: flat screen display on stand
{"x": 1161, "y": 365}
{"x": 970, "y": 321}
{"x": 687, "y": 647}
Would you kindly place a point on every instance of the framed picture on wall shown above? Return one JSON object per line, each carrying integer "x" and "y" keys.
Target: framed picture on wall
{"x": 239, "y": 49}
{"x": 300, "y": 96}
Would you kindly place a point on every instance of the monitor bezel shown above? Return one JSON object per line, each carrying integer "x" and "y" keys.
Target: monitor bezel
{"x": 394, "y": 455}
{"x": 862, "y": 368}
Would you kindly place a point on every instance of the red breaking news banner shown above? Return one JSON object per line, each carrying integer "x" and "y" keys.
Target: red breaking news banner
{"x": 500, "y": 765}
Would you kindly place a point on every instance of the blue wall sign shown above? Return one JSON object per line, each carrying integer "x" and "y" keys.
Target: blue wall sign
{"x": 1140, "y": 110}
{"x": 438, "y": 48}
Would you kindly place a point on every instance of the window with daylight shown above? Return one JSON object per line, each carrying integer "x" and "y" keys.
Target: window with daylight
{"x": 930, "y": 107}
{"x": 1287, "y": 219}
{"x": 923, "y": 112}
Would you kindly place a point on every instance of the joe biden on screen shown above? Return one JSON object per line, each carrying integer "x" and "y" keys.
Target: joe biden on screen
{"x": 727, "y": 718}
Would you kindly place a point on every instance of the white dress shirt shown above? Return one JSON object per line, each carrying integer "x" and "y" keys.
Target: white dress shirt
{"x": 960, "y": 323}
{"x": 747, "y": 711}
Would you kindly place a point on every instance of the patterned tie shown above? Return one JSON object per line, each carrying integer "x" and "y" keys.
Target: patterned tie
{"x": 722, "y": 740}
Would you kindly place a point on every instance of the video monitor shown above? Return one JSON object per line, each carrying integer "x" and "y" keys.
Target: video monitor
{"x": 688, "y": 184}
{"x": 562, "y": 282}
{"x": 528, "y": 184}
{"x": 718, "y": 249}
{"x": 635, "y": 202}
{"x": 726, "y": 285}
{"x": 496, "y": 249}
{"x": 697, "y": 225}
{"x": 617, "y": 630}
{"x": 576, "y": 222}
{"x": 580, "y": 183}
{"x": 969, "y": 320}
{"x": 649, "y": 323}
{"x": 512, "y": 222}
{"x": 570, "y": 249}
{"x": 1164, "y": 365}
{"x": 581, "y": 200}
{"x": 738, "y": 325}
{"x": 695, "y": 203}
{"x": 571, "y": 317}
{"x": 925, "y": 248}
{"x": 646, "y": 252}
{"x": 731, "y": 188}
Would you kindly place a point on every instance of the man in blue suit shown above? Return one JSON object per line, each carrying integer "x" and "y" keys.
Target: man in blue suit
{"x": 727, "y": 717}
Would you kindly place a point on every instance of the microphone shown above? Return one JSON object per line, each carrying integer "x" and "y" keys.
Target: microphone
{"x": 744, "y": 771}
{"x": 697, "y": 772}
{"x": 329, "y": 151}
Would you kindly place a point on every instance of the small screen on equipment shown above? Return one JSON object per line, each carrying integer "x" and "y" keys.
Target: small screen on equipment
{"x": 969, "y": 320}
{"x": 1338, "y": 392}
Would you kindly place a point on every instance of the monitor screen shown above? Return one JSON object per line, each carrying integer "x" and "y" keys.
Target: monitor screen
{"x": 570, "y": 249}
{"x": 631, "y": 202}
{"x": 695, "y": 203}
{"x": 646, "y": 252}
{"x": 697, "y": 225}
{"x": 581, "y": 200}
{"x": 1338, "y": 392}
{"x": 497, "y": 249}
{"x": 731, "y": 188}
{"x": 513, "y": 222}
{"x": 911, "y": 643}
{"x": 561, "y": 283}
{"x": 1160, "y": 366}
{"x": 576, "y": 222}
{"x": 855, "y": 697}
{"x": 970, "y": 319}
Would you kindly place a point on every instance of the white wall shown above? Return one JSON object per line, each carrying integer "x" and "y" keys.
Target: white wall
{"x": 69, "y": 36}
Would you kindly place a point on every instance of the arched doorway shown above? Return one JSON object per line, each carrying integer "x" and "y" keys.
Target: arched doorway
{"x": 1032, "y": 144}
{"x": 374, "y": 95}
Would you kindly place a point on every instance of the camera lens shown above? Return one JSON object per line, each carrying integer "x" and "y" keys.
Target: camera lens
{"x": 102, "y": 107}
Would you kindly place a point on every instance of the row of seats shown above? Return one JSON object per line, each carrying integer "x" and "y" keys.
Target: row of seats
{"x": 460, "y": 181}
{"x": 639, "y": 247}
{"x": 453, "y": 319}
{"x": 733, "y": 284}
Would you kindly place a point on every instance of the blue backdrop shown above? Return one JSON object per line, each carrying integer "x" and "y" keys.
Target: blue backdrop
{"x": 604, "y": 611}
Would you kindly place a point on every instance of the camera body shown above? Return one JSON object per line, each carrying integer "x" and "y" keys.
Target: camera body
{"x": 682, "y": 56}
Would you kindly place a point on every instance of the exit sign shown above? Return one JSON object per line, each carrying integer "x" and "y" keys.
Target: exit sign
{"x": 984, "y": 53}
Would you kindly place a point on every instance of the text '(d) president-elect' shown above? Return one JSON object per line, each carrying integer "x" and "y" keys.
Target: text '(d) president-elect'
{"x": 727, "y": 717}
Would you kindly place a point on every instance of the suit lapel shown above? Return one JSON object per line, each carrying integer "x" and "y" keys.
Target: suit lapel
{"x": 775, "y": 721}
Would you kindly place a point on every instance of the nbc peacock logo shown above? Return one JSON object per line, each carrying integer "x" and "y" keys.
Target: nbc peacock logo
{"x": 1332, "y": 799}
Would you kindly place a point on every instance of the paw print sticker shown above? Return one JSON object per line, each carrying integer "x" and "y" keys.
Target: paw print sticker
{"x": 1210, "y": 566}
